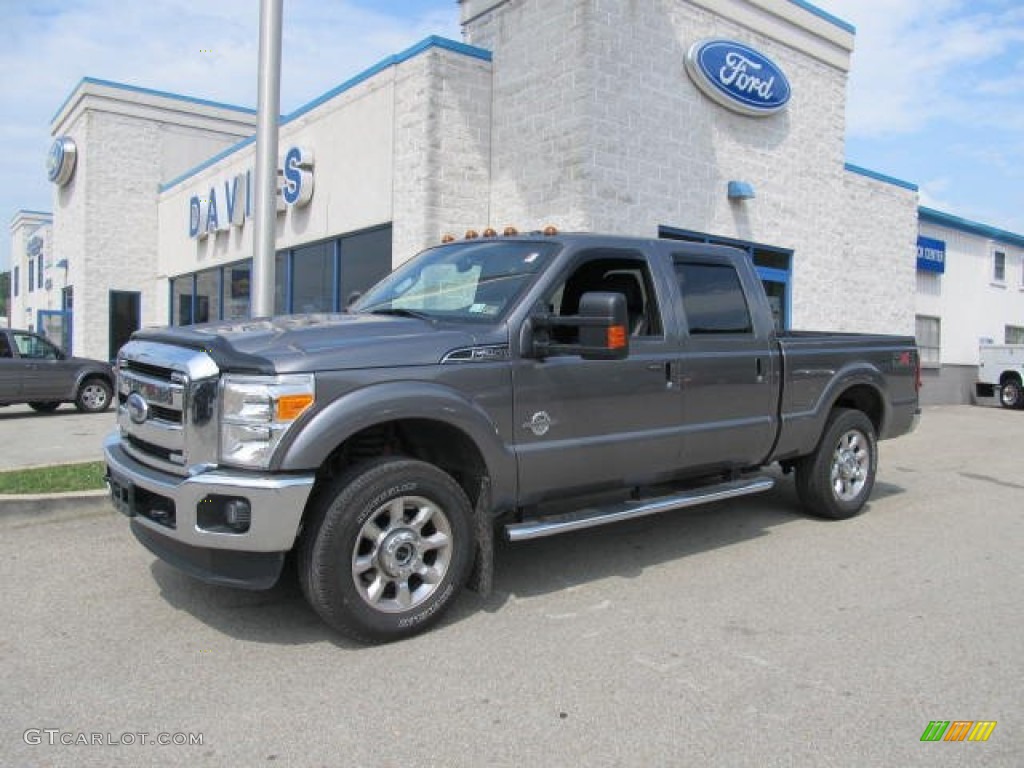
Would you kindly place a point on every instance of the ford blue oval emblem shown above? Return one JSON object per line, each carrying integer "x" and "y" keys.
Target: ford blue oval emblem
{"x": 738, "y": 77}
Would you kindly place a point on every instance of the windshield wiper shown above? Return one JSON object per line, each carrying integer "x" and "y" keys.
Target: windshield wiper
{"x": 399, "y": 312}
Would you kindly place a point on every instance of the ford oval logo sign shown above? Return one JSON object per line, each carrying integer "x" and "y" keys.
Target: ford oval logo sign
{"x": 738, "y": 77}
{"x": 138, "y": 408}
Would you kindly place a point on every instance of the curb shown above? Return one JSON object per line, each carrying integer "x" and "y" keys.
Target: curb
{"x": 12, "y": 505}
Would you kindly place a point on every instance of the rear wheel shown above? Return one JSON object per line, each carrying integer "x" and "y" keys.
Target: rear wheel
{"x": 836, "y": 480}
{"x": 47, "y": 407}
{"x": 93, "y": 396}
{"x": 1011, "y": 395}
{"x": 386, "y": 550}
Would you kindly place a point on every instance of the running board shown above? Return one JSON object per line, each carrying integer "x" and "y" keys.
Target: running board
{"x": 627, "y": 510}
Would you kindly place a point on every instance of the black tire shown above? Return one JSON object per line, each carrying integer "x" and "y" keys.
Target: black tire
{"x": 1010, "y": 393}
{"x": 836, "y": 480}
{"x": 47, "y": 407}
{"x": 371, "y": 539}
{"x": 93, "y": 396}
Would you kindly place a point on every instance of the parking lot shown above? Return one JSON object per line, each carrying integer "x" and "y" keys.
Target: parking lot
{"x": 740, "y": 634}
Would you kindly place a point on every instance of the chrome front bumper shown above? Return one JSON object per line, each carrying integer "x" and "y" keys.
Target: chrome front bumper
{"x": 276, "y": 503}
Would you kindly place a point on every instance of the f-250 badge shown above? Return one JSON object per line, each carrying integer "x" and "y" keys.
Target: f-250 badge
{"x": 540, "y": 423}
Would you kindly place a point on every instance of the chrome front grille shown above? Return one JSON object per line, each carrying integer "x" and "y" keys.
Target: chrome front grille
{"x": 167, "y": 406}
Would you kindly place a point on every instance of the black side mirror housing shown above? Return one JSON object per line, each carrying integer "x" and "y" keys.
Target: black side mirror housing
{"x": 602, "y": 323}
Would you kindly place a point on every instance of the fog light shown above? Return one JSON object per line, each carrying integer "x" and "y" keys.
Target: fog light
{"x": 238, "y": 514}
{"x": 224, "y": 514}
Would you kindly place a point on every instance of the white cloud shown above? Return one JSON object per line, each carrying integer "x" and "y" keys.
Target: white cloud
{"x": 921, "y": 60}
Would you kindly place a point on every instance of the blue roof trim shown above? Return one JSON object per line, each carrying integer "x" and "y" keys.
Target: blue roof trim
{"x": 933, "y": 216}
{"x": 424, "y": 45}
{"x": 47, "y": 214}
{"x": 150, "y": 92}
{"x": 844, "y": 25}
{"x": 880, "y": 177}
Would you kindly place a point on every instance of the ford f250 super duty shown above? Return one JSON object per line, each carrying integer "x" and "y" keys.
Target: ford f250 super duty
{"x": 487, "y": 384}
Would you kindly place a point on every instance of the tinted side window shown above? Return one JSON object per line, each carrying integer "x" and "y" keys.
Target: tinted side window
{"x": 34, "y": 347}
{"x": 713, "y": 299}
{"x": 5, "y": 347}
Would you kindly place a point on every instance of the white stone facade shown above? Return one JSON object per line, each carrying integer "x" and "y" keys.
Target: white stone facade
{"x": 969, "y": 303}
{"x": 597, "y": 127}
{"x": 23, "y": 308}
{"x": 105, "y": 217}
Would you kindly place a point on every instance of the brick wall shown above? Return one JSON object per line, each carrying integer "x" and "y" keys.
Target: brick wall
{"x": 597, "y": 127}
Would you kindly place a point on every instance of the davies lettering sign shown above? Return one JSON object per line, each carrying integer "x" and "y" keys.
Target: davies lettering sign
{"x": 738, "y": 77}
{"x": 230, "y": 204}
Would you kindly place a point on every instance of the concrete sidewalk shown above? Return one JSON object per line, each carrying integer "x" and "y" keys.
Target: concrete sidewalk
{"x": 66, "y": 436}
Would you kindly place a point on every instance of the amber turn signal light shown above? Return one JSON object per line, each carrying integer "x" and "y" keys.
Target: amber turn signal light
{"x": 616, "y": 337}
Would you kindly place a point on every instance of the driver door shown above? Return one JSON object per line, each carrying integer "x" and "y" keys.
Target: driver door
{"x": 582, "y": 424}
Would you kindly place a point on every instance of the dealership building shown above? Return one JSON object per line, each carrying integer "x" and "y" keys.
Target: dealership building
{"x": 718, "y": 121}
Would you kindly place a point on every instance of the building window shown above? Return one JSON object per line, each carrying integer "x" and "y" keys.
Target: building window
{"x": 17, "y": 280}
{"x": 319, "y": 277}
{"x": 313, "y": 278}
{"x": 929, "y": 339}
{"x": 365, "y": 261}
{"x": 181, "y": 300}
{"x": 1014, "y": 334}
{"x": 31, "y": 275}
{"x": 39, "y": 275}
{"x": 237, "y": 278}
{"x": 207, "y": 306}
{"x": 999, "y": 267}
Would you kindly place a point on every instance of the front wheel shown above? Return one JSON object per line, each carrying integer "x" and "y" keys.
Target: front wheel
{"x": 836, "y": 480}
{"x": 93, "y": 396}
{"x": 1010, "y": 394}
{"x": 386, "y": 550}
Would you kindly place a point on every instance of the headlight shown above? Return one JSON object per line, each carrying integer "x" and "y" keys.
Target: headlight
{"x": 257, "y": 412}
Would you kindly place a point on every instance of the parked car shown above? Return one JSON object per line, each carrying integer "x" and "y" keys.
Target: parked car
{"x": 34, "y": 370}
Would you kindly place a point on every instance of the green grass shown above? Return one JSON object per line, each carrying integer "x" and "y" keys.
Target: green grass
{"x": 58, "y": 479}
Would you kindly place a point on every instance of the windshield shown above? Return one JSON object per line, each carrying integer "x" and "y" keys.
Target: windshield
{"x": 474, "y": 280}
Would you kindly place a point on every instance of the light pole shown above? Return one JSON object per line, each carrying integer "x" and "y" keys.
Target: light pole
{"x": 268, "y": 111}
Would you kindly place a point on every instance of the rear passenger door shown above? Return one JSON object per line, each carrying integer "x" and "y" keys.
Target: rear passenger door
{"x": 728, "y": 373}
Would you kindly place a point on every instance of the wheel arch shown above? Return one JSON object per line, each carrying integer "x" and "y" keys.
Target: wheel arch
{"x": 427, "y": 422}
{"x": 866, "y": 398}
{"x": 1009, "y": 375}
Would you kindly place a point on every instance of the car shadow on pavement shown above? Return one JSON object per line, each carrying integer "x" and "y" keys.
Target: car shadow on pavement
{"x": 278, "y": 616}
{"x": 282, "y": 616}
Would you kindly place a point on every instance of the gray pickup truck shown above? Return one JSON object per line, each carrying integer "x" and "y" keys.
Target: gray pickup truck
{"x": 534, "y": 384}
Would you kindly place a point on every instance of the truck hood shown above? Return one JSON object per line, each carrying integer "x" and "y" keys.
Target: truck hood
{"x": 317, "y": 342}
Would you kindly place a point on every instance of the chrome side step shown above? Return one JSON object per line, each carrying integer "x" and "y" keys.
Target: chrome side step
{"x": 627, "y": 510}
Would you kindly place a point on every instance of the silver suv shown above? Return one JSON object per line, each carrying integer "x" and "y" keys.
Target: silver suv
{"x": 35, "y": 371}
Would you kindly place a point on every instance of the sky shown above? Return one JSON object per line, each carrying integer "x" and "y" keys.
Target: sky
{"x": 935, "y": 97}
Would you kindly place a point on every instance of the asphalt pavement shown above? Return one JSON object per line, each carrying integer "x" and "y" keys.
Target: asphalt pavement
{"x": 738, "y": 634}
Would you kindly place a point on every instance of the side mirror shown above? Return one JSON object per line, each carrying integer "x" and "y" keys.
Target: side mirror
{"x": 602, "y": 322}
